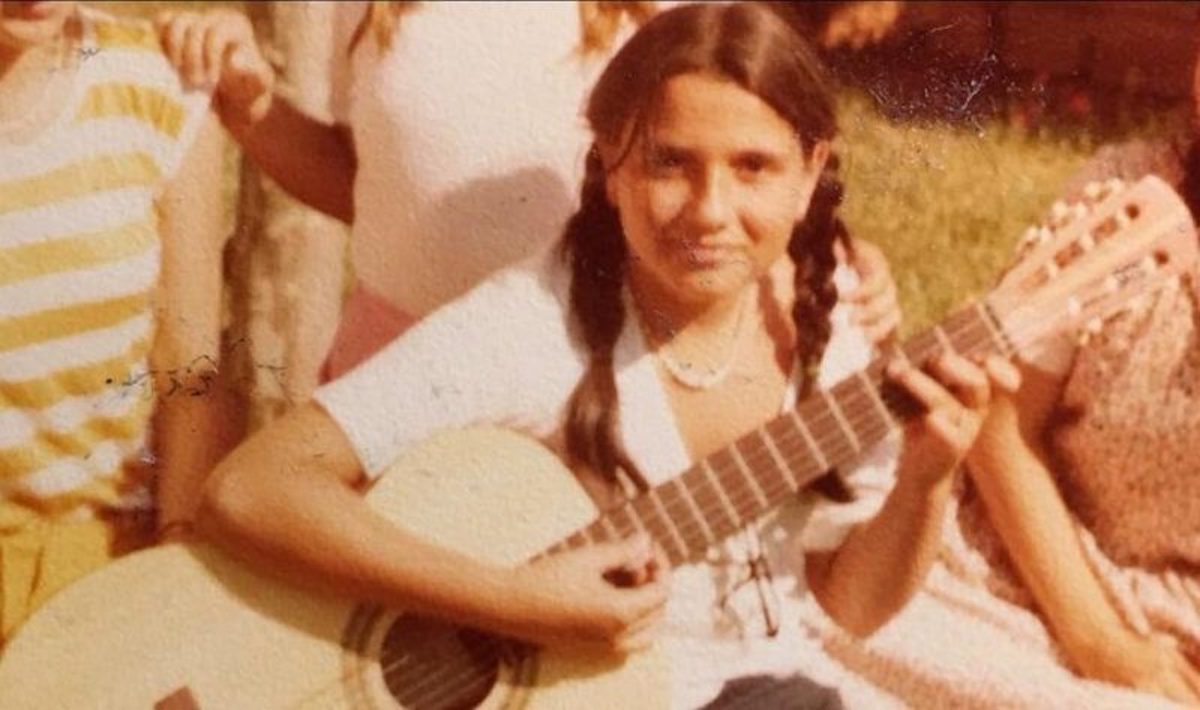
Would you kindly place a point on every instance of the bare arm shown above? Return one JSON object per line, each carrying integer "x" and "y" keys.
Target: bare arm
{"x": 289, "y": 500}
{"x": 192, "y": 416}
{"x": 883, "y": 562}
{"x": 312, "y": 160}
{"x": 1009, "y": 467}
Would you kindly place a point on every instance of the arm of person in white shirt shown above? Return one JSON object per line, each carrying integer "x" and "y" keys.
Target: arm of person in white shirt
{"x": 312, "y": 160}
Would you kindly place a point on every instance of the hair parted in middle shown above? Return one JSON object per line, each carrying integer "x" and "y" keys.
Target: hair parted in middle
{"x": 748, "y": 44}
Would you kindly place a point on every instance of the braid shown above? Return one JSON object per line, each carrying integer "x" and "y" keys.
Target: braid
{"x": 811, "y": 250}
{"x": 594, "y": 246}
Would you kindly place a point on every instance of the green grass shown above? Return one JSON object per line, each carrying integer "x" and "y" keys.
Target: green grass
{"x": 947, "y": 203}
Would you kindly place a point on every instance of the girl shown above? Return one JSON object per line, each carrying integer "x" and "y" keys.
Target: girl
{"x": 695, "y": 293}
{"x": 439, "y": 196}
{"x": 107, "y": 203}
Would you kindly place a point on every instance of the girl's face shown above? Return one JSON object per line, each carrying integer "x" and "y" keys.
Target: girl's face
{"x": 24, "y": 25}
{"x": 710, "y": 191}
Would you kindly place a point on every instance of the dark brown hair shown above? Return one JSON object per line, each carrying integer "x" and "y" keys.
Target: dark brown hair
{"x": 753, "y": 47}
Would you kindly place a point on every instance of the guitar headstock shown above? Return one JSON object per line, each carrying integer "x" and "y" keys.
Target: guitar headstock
{"x": 1091, "y": 260}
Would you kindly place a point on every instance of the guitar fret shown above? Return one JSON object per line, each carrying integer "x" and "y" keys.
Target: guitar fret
{"x": 695, "y": 508}
{"x": 632, "y": 514}
{"x": 947, "y": 344}
{"x": 812, "y": 443}
{"x": 840, "y": 416}
{"x": 874, "y": 397}
{"x": 1001, "y": 343}
{"x": 778, "y": 457}
{"x": 676, "y": 537}
{"x": 734, "y": 517}
{"x": 747, "y": 474}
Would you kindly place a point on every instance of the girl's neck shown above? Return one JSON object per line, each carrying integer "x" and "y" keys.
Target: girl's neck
{"x": 664, "y": 317}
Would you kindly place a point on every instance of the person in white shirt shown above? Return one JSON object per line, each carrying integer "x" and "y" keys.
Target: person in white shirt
{"x": 695, "y": 293}
{"x": 455, "y": 142}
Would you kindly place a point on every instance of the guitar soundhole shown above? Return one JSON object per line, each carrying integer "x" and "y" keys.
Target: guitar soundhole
{"x": 429, "y": 665}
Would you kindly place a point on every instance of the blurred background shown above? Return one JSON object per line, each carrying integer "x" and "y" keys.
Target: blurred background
{"x": 960, "y": 123}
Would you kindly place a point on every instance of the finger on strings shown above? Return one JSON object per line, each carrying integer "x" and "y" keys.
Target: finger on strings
{"x": 928, "y": 392}
{"x": 1004, "y": 375}
{"x": 944, "y": 424}
{"x": 884, "y": 328}
{"x": 962, "y": 378}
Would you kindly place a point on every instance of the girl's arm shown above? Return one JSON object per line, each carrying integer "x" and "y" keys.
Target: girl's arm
{"x": 882, "y": 562}
{"x": 313, "y": 161}
{"x": 288, "y": 499}
{"x": 192, "y": 427}
{"x": 1008, "y": 465}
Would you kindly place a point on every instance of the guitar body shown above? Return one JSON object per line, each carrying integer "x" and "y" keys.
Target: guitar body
{"x": 185, "y": 626}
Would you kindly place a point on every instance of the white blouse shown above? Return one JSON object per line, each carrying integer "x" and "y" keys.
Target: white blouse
{"x": 504, "y": 355}
{"x": 470, "y": 141}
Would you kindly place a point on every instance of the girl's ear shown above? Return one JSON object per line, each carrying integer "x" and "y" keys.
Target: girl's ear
{"x": 814, "y": 165}
{"x": 820, "y": 154}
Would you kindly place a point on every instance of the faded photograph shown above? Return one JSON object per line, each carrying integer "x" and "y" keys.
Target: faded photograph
{"x": 581, "y": 354}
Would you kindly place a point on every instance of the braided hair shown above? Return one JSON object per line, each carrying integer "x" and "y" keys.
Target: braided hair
{"x": 750, "y": 45}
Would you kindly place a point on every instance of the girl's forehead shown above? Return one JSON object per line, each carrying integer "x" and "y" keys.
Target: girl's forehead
{"x": 704, "y": 110}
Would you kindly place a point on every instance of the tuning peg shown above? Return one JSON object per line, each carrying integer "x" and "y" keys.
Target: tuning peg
{"x": 1079, "y": 210}
{"x": 1114, "y": 185}
{"x": 1058, "y": 210}
{"x": 1073, "y": 307}
{"x": 1136, "y": 305}
{"x": 1093, "y": 191}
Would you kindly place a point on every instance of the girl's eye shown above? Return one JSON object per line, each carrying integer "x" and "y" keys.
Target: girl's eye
{"x": 665, "y": 161}
{"x": 752, "y": 165}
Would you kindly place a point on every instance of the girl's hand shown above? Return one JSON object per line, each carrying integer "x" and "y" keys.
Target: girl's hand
{"x": 955, "y": 394}
{"x": 217, "y": 49}
{"x": 1152, "y": 664}
{"x": 611, "y": 595}
{"x": 877, "y": 310}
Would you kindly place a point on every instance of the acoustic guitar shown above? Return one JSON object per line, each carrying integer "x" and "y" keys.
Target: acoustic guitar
{"x": 186, "y": 626}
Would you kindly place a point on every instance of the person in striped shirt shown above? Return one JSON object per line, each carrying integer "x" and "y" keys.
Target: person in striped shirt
{"x": 110, "y": 274}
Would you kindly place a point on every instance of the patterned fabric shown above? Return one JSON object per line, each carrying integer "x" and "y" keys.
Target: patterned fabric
{"x": 1126, "y": 430}
{"x": 79, "y": 263}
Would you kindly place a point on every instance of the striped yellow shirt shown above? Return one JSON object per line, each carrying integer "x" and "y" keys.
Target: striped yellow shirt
{"x": 79, "y": 264}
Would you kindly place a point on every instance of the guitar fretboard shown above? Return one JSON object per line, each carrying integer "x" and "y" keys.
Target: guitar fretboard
{"x": 730, "y": 489}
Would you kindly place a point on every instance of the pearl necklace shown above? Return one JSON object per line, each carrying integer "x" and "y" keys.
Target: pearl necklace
{"x": 697, "y": 378}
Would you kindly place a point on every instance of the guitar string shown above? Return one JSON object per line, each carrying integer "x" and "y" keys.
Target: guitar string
{"x": 974, "y": 325}
{"x": 1016, "y": 340}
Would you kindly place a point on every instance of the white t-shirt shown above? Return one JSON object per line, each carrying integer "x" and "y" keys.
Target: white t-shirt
{"x": 470, "y": 141}
{"x": 470, "y": 363}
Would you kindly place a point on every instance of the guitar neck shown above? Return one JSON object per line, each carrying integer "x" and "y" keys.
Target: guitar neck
{"x": 762, "y": 469}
